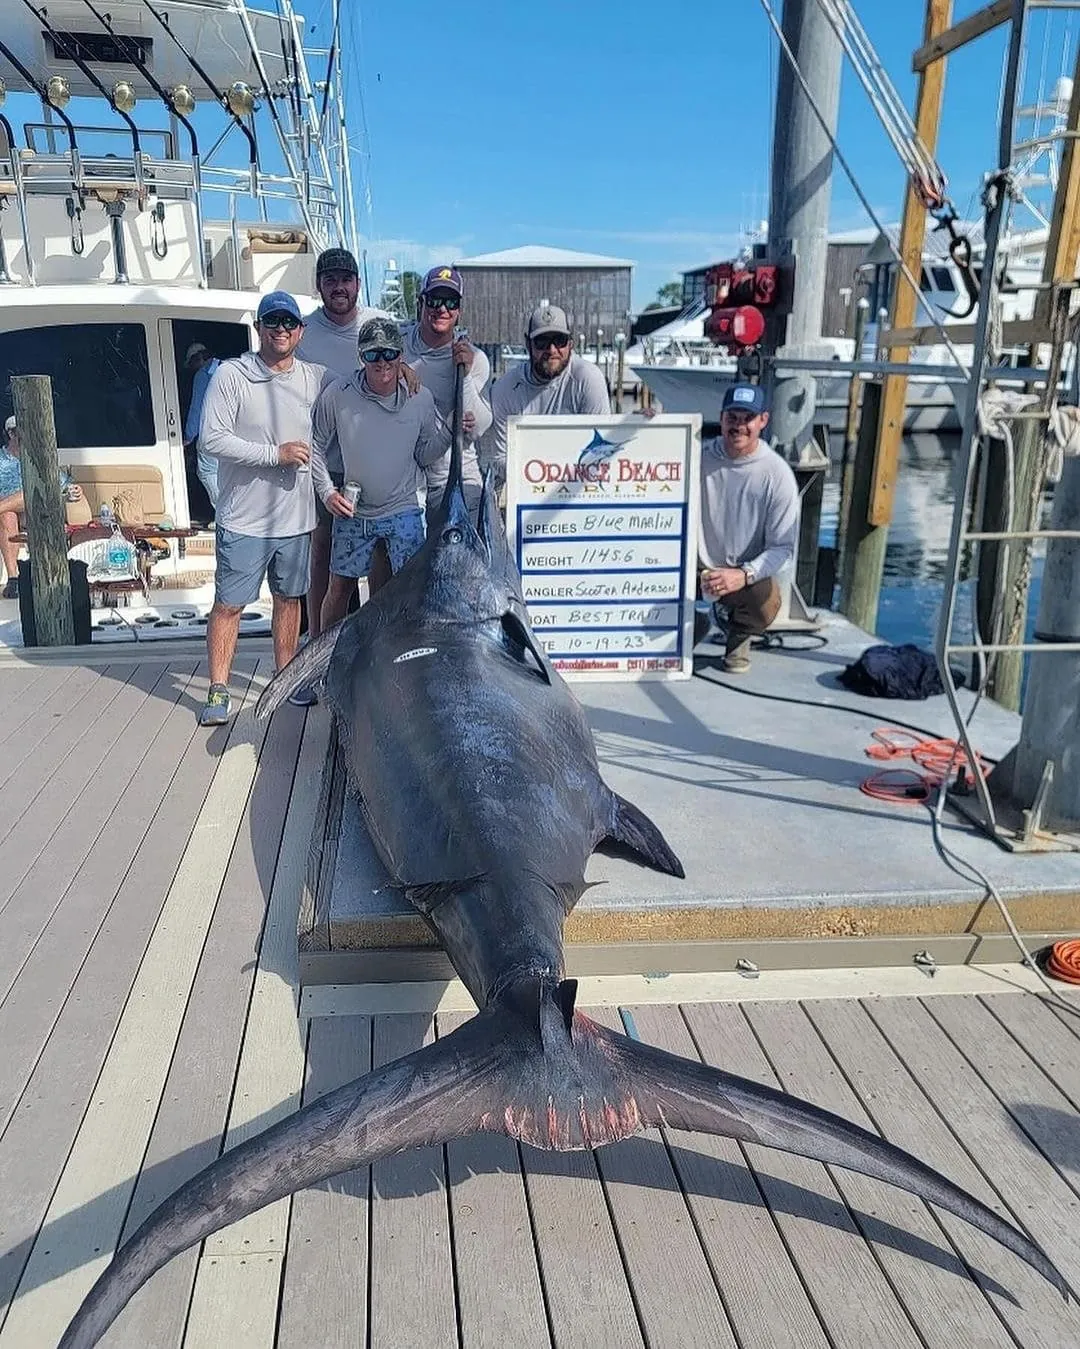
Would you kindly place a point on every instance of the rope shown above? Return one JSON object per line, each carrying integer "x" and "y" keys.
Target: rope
{"x": 905, "y": 270}
{"x": 937, "y": 757}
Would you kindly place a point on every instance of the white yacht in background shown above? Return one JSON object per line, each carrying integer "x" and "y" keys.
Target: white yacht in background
{"x": 168, "y": 163}
{"x": 685, "y": 372}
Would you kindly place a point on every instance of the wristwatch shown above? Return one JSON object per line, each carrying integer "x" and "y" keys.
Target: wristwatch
{"x": 748, "y": 572}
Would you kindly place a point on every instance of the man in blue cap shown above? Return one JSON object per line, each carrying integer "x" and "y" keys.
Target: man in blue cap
{"x": 749, "y": 522}
{"x": 256, "y": 421}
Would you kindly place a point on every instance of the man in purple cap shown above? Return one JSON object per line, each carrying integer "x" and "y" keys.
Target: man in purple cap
{"x": 553, "y": 380}
{"x": 749, "y": 522}
{"x": 433, "y": 352}
{"x": 256, "y": 421}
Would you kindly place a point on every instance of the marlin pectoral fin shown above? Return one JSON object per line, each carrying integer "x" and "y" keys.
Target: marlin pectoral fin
{"x": 519, "y": 632}
{"x": 633, "y": 828}
{"x": 679, "y": 1093}
{"x": 309, "y": 664}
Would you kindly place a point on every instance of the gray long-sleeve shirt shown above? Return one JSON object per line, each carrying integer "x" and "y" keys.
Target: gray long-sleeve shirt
{"x": 333, "y": 345}
{"x": 249, "y": 411}
{"x": 435, "y": 368}
{"x": 749, "y": 510}
{"x": 386, "y": 443}
{"x": 580, "y": 388}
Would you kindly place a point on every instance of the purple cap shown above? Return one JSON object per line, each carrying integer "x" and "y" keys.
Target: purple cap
{"x": 278, "y": 302}
{"x": 443, "y": 278}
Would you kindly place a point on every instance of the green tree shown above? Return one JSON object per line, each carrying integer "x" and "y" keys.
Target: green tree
{"x": 669, "y": 295}
{"x": 410, "y": 288}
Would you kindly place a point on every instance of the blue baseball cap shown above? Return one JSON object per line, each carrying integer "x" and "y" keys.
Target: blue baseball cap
{"x": 278, "y": 302}
{"x": 443, "y": 278}
{"x": 745, "y": 398}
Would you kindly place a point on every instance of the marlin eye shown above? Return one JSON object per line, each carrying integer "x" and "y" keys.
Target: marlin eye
{"x": 452, "y": 536}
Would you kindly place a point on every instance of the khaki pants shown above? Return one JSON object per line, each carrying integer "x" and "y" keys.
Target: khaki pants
{"x": 749, "y": 611}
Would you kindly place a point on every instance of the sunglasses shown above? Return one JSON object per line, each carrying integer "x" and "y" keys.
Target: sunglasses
{"x": 546, "y": 340}
{"x": 450, "y": 302}
{"x": 286, "y": 321}
{"x": 380, "y": 354}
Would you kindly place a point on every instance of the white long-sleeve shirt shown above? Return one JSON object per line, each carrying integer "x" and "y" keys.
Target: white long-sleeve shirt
{"x": 749, "y": 510}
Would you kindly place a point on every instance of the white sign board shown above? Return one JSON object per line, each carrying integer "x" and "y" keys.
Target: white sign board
{"x": 602, "y": 515}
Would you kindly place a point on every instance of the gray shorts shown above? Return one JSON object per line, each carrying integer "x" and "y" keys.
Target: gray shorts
{"x": 243, "y": 560}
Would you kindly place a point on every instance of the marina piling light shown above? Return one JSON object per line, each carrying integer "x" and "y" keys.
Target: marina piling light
{"x": 58, "y": 92}
{"x": 182, "y": 100}
{"x": 123, "y": 96}
{"x": 241, "y": 99}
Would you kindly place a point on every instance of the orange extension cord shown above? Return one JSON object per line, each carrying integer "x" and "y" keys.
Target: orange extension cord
{"x": 905, "y": 786}
{"x": 1064, "y": 961}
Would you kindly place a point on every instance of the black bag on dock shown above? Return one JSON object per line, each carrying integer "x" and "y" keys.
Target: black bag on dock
{"x": 895, "y": 672}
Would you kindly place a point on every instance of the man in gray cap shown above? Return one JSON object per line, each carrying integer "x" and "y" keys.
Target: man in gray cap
{"x": 330, "y": 340}
{"x": 386, "y": 440}
{"x": 553, "y": 380}
{"x": 434, "y": 352}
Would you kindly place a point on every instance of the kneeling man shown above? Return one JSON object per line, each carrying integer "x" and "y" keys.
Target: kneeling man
{"x": 749, "y": 522}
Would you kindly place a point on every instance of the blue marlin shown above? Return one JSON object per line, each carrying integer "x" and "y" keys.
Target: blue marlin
{"x": 474, "y": 769}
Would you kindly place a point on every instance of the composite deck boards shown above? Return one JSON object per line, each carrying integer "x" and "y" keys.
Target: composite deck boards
{"x": 35, "y": 1141}
{"x": 192, "y": 1117}
{"x": 765, "y": 1299}
{"x": 148, "y": 1020}
{"x": 904, "y": 1111}
{"x": 324, "y": 1295}
{"x": 493, "y": 1240}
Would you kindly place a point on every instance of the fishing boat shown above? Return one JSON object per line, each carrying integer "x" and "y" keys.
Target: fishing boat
{"x": 176, "y": 161}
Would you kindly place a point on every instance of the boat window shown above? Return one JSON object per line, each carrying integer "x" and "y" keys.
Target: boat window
{"x": 100, "y": 381}
{"x": 943, "y": 278}
{"x": 924, "y": 280}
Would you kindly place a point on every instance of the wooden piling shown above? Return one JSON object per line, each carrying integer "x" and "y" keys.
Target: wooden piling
{"x": 46, "y": 535}
{"x": 864, "y": 544}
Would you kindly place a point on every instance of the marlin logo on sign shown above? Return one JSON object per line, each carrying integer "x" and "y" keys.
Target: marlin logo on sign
{"x": 599, "y": 450}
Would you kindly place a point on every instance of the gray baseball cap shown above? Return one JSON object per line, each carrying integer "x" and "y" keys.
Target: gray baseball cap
{"x": 547, "y": 318}
{"x": 378, "y": 332}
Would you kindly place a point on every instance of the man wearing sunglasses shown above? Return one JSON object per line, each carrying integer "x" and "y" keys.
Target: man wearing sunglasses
{"x": 330, "y": 340}
{"x": 749, "y": 522}
{"x": 553, "y": 380}
{"x": 387, "y": 440}
{"x": 256, "y": 421}
{"x": 434, "y": 353}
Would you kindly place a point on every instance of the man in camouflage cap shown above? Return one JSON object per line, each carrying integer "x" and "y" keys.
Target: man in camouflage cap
{"x": 387, "y": 440}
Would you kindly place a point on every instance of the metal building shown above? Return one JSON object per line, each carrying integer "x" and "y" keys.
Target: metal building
{"x": 502, "y": 288}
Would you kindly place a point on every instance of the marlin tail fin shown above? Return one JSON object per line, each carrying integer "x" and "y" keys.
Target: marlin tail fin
{"x": 531, "y": 1067}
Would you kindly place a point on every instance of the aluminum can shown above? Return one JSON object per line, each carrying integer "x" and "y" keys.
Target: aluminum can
{"x": 353, "y": 494}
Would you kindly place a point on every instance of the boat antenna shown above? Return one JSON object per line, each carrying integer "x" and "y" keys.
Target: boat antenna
{"x": 68, "y": 48}
{"x": 132, "y": 53}
{"x": 253, "y": 159}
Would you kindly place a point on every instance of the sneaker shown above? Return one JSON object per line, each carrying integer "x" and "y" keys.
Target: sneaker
{"x": 218, "y": 707}
{"x": 11, "y": 590}
{"x": 304, "y": 696}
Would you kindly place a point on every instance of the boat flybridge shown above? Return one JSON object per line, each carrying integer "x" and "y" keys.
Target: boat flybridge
{"x": 162, "y": 165}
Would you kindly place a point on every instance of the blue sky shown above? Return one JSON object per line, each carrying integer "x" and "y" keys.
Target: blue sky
{"x": 629, "y": 129}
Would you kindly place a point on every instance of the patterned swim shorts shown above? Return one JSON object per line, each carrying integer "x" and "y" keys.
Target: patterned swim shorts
{"x": 354, "y": 541}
